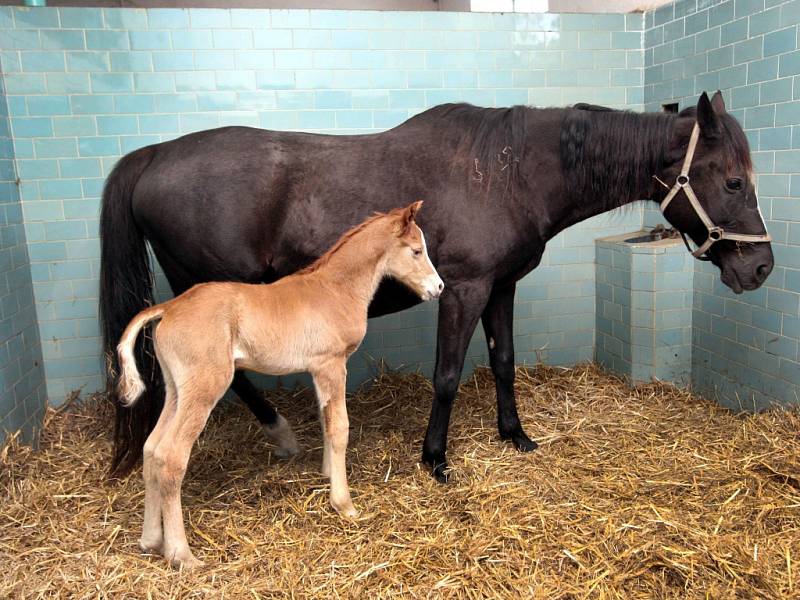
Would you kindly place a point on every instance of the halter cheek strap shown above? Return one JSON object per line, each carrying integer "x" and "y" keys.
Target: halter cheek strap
{"x": 715, "y": 233}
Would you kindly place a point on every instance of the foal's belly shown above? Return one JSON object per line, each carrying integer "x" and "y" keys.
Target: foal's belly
{"x": 270, "y": 363}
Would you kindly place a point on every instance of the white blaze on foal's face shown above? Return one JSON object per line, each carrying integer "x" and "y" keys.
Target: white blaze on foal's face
{"x": 409, "y": 261}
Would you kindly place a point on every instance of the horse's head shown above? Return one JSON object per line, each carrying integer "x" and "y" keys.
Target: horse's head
{"x": 408, "y": 259}
{"x": 711, "y": 195}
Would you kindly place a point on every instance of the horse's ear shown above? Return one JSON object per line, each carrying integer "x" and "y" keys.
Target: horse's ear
{"x": 706, "y": 117}
{"x": 409, "y": 214}
{"x": 718, "y": 103}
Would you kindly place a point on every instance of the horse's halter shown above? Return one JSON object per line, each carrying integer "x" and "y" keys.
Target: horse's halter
{"x": 715, "y": 233}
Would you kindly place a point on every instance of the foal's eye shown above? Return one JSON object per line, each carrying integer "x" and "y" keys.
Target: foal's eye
{"x": 734, "y": 184}
{"x": 417, "y": 252}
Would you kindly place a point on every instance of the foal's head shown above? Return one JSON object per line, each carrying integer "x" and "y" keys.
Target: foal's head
{"x": 407, "y": 258}
{"x": 734, "y": 235}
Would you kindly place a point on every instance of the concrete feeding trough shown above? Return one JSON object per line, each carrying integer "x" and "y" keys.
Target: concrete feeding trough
{"x": 644, "y": 307}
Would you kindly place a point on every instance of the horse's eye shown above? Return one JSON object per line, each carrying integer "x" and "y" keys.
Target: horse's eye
{"x": 734, "y": 184}
{"x": 417, "y": 252}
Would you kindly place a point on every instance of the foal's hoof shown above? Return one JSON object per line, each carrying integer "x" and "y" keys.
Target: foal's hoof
{"x": 150, "y": 546}
{"x": 438, "y": 466}
{"x": 185, "y": 561}
{"x": 348, "y": 511}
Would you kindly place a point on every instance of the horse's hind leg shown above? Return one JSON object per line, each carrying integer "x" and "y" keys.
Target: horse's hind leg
{"x": 152, "y": 533}
{"x": 498, "y": 323}
{"x": 275, "y": 426}
{"x": 196, "y": 399}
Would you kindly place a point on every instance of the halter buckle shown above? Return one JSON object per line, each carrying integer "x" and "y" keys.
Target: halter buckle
{"x": 682, "y": 180}
{"x": 715, "y": 233}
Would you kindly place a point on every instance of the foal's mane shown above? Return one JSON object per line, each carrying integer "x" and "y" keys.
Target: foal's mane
{"x": 346, "y": 236}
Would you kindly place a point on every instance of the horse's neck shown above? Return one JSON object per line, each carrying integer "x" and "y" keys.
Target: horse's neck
{"x": 618, "y": 172}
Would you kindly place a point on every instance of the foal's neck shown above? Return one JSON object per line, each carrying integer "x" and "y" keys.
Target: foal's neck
{"x": 358, "y": 266}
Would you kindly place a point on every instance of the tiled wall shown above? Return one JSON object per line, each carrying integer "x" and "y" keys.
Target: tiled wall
{"x": 644, "y": 308}
{"x": 745, "y": 347}
{"x": 87, "y": 85}
{"x": 22, "y": 390}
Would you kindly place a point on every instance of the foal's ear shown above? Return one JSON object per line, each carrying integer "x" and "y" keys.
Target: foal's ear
{"x": 409, "y": 214}
{"x": 706, "y": 117}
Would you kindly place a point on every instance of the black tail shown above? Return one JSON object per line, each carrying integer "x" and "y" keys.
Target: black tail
{"x": 125, "y": 289}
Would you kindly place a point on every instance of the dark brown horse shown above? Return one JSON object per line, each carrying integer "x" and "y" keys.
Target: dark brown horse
{"x": 251, "y": 205}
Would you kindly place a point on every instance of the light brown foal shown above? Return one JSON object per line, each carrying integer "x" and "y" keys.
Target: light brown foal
{"x": 310, "y": 321}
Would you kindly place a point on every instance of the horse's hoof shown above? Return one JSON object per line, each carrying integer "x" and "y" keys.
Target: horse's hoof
{"x": 283, "y": 437}
{"x": 284, "y": 453}
{"x": 522, "y": 442}
{"x": 438, "y": 466}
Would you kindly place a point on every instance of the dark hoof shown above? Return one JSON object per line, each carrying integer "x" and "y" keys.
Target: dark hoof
{"x": 438, "y": 466}
{"x": 521, "y": 441}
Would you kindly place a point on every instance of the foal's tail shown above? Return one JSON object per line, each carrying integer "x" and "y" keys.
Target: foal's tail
{"x": 130, "y": 385}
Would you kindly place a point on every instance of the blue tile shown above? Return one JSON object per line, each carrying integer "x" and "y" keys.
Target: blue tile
{"x": 131, "y": 61}
{"x": 37, "y": 62}
{"x": 204, "y": 18}
{"x": 233, "y": 39}
{"x": 780, "y": 42}
{"x": 62, "y": 39}
{"x": 117, "y": 125}
{"x": 35, "y": 18}
{"x": 88, "y": 61}
{"x": 99, "y": 146}
{"x": 150, "y": 40}
{"x": 32, "y": 127}
{"x": 173, "y": 61}
{"x": 125, "y": 18}
{"x": 107, "y": 40}
{"x": 272, "y": 38}
{"x": 789, "y": 64}
{"x": 48, "y": 105}
{"x": 168, "y": 18}
{"x": 111, "y": 82}
{"x": 81, "y": 18}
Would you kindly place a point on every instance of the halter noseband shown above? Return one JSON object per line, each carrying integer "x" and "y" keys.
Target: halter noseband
{"x": 715, "y": 233}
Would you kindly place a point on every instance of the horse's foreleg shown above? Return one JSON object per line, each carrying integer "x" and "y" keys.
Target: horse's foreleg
{"x": 498, "y": 322}
{"x": 330, "y": 384}
{"x": 460, "y": 307}
{"x": 275, "y": 426}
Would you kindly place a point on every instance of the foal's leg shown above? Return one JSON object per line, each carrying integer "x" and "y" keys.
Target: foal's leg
{"x": 275, "y": 425}
{"x": 152, "y": 533}
{"x": 330, "y": 384}
{"x": 196, "y": 399}
{"x": 460, "y": 307}
{"x": 498, "y": 322}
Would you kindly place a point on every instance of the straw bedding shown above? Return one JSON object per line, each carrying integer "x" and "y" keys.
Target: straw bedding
{"x": 634, "y": 493}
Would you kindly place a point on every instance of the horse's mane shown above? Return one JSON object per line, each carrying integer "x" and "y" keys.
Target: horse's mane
{"x": 346, "y": 236}
{"x": 491, "y": 141}
{"x": 608, "y": 156}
